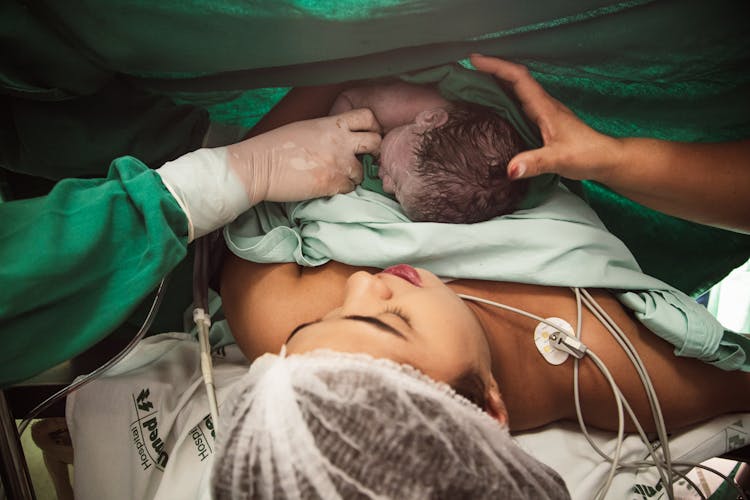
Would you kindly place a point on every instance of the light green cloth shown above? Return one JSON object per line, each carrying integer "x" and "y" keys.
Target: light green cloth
{"x": 560, "y": 243}
{"x": 729, "y": 300}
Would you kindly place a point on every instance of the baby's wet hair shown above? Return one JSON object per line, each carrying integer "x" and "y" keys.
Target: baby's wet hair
{"x": 462, "y": 168}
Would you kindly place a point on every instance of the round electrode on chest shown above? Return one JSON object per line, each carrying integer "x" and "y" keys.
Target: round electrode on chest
{"x": 542, "y": 335}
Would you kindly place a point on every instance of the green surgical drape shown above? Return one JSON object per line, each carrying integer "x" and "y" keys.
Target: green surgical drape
{"x": 671, "y": 69}
{"x": 77, "y": 262}
{"x": 87, "y": 78}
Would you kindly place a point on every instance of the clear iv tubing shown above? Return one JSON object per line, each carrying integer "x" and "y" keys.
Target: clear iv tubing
{"x": 65, "y": 391}
{"x": 202, "y": 319}
{"x": 203, "y": 322}
{"x": 200, "y": 293}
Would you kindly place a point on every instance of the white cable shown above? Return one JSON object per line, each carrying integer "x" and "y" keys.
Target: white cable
{"x": 646, "y": 463}
{"x": 579, "y": 414}
{"x": 83, "y": 380}
{"x": 652, "y": 397}
{"x": 601, "y": 366}
{"x": 632, "y": 354}
{"x": 665, "y": 472}
{"x": 557, "y": 341}
{"x": 599, "y": 312}
{"x": 641, "y": 433}
{"x": 579, "y": 319}
{"x": 619, "y": 398}
{"x": 635, "y": 360}
{"x": 512, "y": 309}
{"x": 620, "y": 421}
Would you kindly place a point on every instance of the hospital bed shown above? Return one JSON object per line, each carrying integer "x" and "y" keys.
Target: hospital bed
{"x": 560, "y": 446}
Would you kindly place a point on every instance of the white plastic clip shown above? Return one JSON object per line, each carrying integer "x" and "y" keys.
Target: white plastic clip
{"x": 200, "y": 316}
{"x": 543, "y": 340}
{"x": 565, "y": 342}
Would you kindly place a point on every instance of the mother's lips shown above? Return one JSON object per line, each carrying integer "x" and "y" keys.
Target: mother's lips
{"x": 405, "y": 272}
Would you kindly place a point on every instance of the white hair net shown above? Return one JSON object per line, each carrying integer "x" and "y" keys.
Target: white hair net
{"x": 333, "y": 425}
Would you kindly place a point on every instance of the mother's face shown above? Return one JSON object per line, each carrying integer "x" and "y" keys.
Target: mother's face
{"x": 406, "y": 315}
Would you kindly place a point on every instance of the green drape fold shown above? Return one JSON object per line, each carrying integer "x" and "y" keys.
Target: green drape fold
{"x": 77, "y": 262}
{"x": 671, "y": 69}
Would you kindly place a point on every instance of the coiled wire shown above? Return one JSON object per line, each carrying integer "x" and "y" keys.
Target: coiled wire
{"x": 74, "y": 386}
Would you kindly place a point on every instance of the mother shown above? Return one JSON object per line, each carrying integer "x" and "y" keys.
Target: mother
{"x": 483, "y": 352}
{"x": 335, "y": 415}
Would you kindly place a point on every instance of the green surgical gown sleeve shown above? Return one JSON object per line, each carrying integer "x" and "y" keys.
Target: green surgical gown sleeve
{"x": 77, "y": 262}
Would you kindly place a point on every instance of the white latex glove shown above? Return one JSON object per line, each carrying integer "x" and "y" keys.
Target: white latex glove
{"x": 295, "y": 162}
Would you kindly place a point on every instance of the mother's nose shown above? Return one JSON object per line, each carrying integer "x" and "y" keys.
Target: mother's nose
{"x": 363, "y": 286}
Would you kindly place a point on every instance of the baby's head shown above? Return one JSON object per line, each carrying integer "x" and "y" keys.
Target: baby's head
{"x": 450, "y": 165}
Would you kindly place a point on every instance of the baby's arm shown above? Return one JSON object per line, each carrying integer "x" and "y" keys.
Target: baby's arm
{"x": 301, "y": 103}
{"x": 394, "y": 104}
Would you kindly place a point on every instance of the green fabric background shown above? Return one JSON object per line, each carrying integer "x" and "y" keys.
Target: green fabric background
{"x": 664, "y": 68}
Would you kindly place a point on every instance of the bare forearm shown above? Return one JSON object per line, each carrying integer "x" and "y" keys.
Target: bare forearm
{"x": 706, "y": 183}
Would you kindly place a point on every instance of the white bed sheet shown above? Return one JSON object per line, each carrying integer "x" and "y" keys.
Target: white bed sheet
{"x": 109, "y": 460}
{"x": 564, "y": 448}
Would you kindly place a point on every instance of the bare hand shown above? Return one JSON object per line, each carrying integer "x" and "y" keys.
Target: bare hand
{"x": 571, "y": 148}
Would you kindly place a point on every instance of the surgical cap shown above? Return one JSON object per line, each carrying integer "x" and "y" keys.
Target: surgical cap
{"x": 335, "y": 425}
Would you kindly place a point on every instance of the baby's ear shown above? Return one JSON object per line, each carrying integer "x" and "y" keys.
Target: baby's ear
{"x": 495, "y": 405}
{"x": 432, "y": 118}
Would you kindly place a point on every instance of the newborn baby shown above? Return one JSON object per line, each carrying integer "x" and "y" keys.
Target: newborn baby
{"x": 444, "y": 161}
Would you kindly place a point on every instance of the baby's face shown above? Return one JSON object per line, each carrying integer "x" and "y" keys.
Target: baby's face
{"x": 398, "y": 160}
{"x": 398, "y": 156}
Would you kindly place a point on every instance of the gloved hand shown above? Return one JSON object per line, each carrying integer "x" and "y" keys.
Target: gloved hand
{"x": 295, "y": 162}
